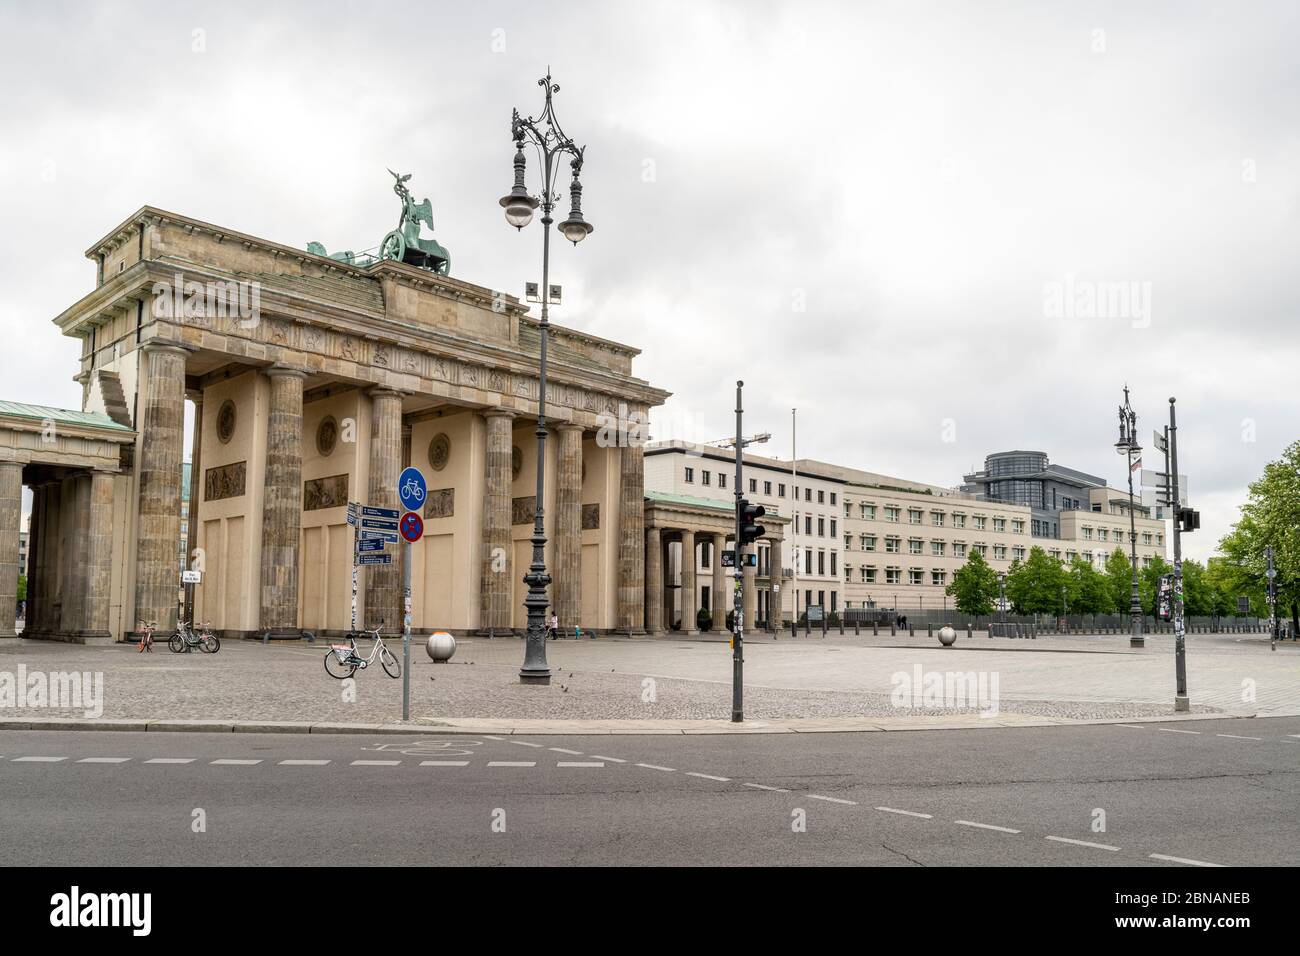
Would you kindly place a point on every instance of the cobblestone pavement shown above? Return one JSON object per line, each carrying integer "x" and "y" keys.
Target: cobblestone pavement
{"x": 676, "y": 678}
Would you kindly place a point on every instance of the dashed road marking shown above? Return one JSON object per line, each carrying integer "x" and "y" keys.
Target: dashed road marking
{"x": 650, "y": 766}
{"x": 818, "y": 796}
{"x": 303, "y": 763}
{"x": 1179, "y": 859}
{"x": 763, "y": 786}
{"x": 171, "y": 760}
{"x": 1171, "y": 730}
{"x": 512, "y": 763}
{"x": 524, "y": 743}
{"x": 490, "y": 737}
{"x": 707, "y": 776}
{"x": 1131, "y": 726}
{"x": 1095, "y": 846}
{"x": 1238, "y": 737}
{"x": 607, "y": 759}
{"x": 906, "y": 813}
{"x": 561, "y": 750}
{"x": 375, "y": 763}
{"x": 444, "y": 763}
{"x": 984, "y": 826}
{"x": 228, "y": 762}
{"x": 38, "y": 759}
{"x": 103, "y": 760}
{"x": 579, "y": 763}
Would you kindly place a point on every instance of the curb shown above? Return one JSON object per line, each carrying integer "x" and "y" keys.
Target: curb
{"x": 599, "y": 728}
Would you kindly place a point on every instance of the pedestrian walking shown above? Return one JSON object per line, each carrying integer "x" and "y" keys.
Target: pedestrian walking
{"x": 555, "y": 626}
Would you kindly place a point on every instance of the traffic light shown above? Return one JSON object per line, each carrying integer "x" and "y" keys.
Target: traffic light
{"x": 1188, "y": 520}
{"x": 749, "y": 531}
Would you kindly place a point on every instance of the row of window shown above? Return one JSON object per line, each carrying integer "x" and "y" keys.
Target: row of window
{"x": 1118, "y": 535}
{"x": 707, "y": 478}
{"x": 867, "y": 574}
{"x": 939, "y": 519}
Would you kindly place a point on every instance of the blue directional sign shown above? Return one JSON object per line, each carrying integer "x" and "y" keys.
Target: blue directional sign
{"x": 369, "y": 512}
{"x": 379, "y": 524}
{"x": 370, "y": 544}
{"x": 374, "y": 559}
{"x": 378, "y": 536}
{"x": 411, "y": 489}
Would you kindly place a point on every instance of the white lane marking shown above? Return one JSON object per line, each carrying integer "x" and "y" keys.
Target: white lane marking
{"x": 650, "y": 766}
{"x": 375, "y": 763}
{"x": 906, "y": 813}
{"x": 171, "y": 760}
{"x": 608, "y": 759}
{"x": 763, "y": 786}
{"x": 512, "y": 763}
{"x": 303, "y": 763}
{"x": 490, "y": 737}
{"x": 524, "y": 743}
{"x": 38, "y": 759}
{"x": 225, "y": 762}
{"x": 818, "y": 796}
{"x": 561, "y": 750}
{"x": 579, "y": 763}
{"x": 984, "y": 826}
{"x": 1289, "y": 735}
{"x": 1179, "y": 859}
{"x": 103, "y": 760}
{"x": 1095, "y": 846}
{"x": 706, "y": 776}
{"x": 1131, "y": 726}
{"x": 444, "y": 763}
{"x": 1238, "y": 737}
{"x": 1171, "y": 730}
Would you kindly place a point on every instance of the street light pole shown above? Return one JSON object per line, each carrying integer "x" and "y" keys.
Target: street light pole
{"x": 1180, "y": 642}
{"x": 1127, "y": 446}
{"x": 545, "y": 134}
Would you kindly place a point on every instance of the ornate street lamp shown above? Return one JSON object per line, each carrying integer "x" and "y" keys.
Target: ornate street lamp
{"x": 1128, "y": 446}
{"x": 545, "y": 134}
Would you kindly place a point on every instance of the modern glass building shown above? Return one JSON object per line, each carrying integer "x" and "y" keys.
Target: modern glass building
{"x": 1028, "y": 478}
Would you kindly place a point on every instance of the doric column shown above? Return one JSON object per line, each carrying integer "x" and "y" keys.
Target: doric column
{"x": 567, "y": 589}
{"x": 158, "y": 527}
{"x": 98, "y": 555}
{"x": 11, "y": 517}
{"x": 196, "y": 475}
{"x": 77, "y": 607}
{"x": 69, "y": 568}
{"x": 496, "y": 559}
{"x": 384, "y": 581}
{"x": 45, "y": 573}
{"x": 654, "y": 581}
{"x": 282, "y": 504}
{"x": 774, "y": 577}
{"x": 31, "y": 619}
{"x": 631, "y": 530}
{"x": 750, "y": 597}
{"x": 690, "y": 595}
{"x": 718, "y": 593}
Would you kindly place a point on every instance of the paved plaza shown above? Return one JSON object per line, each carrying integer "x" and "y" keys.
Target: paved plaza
{"x": 672, "y": 683}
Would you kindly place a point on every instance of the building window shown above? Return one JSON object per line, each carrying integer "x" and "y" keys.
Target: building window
{"x": 999, "y": 552}
{"x": 1018, "y": 554}
{"x": 1000, "y": 524}
{"x": 1102, "y": 534}
{"x": 821, "y": 562}
{"x": 834, "y": 561}
{"x": 807, "y": 560}
{"x": 936, "y": 549}
{"x": 833, "y": 526}
{"x": 821, "y": 497}
{"x": 722, "y": 479}
{"x": 821, "y": 527}
{"x": 958, "y": 520}
{"x": 868, "y": 512}
{"x": 832, "y": 497}
{"x": 936, "y": 518}
{"x": 958, "y": 550}
{"x": 780, "y": 490}
{"x": 868, "y": 575}
{"x": 891, "y": 513}
{"x": 848, "y": 542}
{"x": 938, "y": 577}
{"x": 913, "y": 515}
{"x": 1018, "y": 526}
{"x": 807, "y": 525}
{"x": 1146, "y": 537}
{"x": 704, "y": 478}
{"x": 868, "y": 542}
{"x": 893, "y": 575}
{"x": 983, "y": 549}
{"x": 913, "y": 545}
{"x": 690, "y": 476}
{"x": 980, "y": 521}
{"x": 807, "y": 494}
{"x": 914, "y": 576}
{"x": 1087, "y": 533}
{"x": 892, "y": 545}
{"x": 753, "y": 485}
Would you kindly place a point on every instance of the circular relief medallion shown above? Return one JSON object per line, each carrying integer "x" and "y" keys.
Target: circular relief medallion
{"x": 327, "y": 436}
{"x": 226, "y": 421}
{"x": 516, "y": 461}
{"x": 439, "y": 451}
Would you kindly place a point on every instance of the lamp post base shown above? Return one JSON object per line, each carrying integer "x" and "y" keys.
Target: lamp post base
{"x": 1137, "y": 642}
{"x": 1182, "y": 704}
{"x": 541, "y": 679}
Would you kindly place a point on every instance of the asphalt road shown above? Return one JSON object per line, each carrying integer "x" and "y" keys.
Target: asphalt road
{"x": 1222, "y": 792}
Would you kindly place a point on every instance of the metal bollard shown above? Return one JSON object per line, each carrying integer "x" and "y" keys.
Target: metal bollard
{"x": 855, "y": 629}
{"x": 794, "y": 628}
{"x": 875, "y": 628}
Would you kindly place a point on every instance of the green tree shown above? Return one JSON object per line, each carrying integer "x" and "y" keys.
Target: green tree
{"x": 1119, "y": 575}
{"x": 1087, "y": 589}
{"x": 22, "y": 587}
{"x": 1035, "y": 586}
{"x": 1149, "y": 583}
{"x": 1229, "y": 583}
{"x": 974, "y": 586}
{"x": 1198, "y": 594}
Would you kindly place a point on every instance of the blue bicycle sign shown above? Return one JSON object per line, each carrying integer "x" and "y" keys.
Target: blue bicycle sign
{"x": 411, "y": 489}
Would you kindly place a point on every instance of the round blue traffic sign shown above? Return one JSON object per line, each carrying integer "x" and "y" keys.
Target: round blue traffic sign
{"x": 411, "y": 489}
{"x": 411, "y": 526}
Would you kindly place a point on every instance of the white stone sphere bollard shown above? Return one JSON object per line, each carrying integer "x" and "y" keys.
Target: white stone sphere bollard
{"x": 947, "y": 636}
{"x": 441, "y": 646}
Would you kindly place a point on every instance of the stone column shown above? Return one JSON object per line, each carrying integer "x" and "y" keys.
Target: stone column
{"x": 158, "y": 527}
{"x": 282, "y": 505}
{"x": 774, "y": 577}
{"x": 11, "y": 519}
{"x": 497, "y": 559}
{"x": 690, "y": 595}
{"x": 33, "y": 559}
{"x": 718, "y": 594}
{"x": 69, "y": 586}
{"x": 631, "y": 532}
{"x": 567, "y": 589}
{"x": 77, "y": 604}
{"x": 750, "y": 597}
{"x": 384, "y": 581}
{"x": 98, "y": 557}
{"x": 654, "y": 581}
{"x": 45, "y": 574}
{"x": 196, "y": 476}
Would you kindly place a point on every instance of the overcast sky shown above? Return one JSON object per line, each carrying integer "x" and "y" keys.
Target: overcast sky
{"x": 869, "y": 211}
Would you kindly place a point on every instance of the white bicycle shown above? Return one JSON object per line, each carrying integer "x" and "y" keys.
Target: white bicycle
{"x": 343, "y": 660}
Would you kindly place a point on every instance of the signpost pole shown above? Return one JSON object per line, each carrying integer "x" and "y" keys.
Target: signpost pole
{"x": 1181, "y": 702}
{"x": 738, "y": 603}
{"x": 406, "y": 631}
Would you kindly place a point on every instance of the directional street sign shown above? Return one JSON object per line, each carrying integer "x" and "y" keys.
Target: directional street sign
{"x": 412, "y": 526}
{"x": 411, "y": 489}
{"x": 374, "y": 559}
{"x": 369, "y": 512}
{"x": 379, "y": 524}
{"x": 389, "y": 536}
{"x": 352, "y": 513}
{"x": 370, "y": 544}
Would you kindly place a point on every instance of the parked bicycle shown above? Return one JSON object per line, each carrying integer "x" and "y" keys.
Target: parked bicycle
{"x": 343, "y": 660}
{"x": 186, "y": 639}
{"x": 146, "y": 629}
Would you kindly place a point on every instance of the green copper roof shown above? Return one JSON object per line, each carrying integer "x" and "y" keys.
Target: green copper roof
{"x": 60, "y": 416}
{"x": 690, "y": 501}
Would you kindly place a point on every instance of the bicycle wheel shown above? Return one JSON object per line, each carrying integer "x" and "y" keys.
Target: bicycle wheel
{"x": 391, "y": 666}
{"x": 337, "y": 668}
{"x": 210, "y": 643}
{"x": 175, "y": 643}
